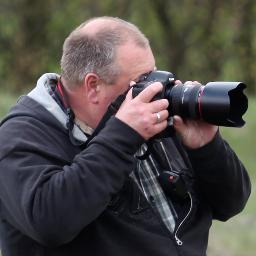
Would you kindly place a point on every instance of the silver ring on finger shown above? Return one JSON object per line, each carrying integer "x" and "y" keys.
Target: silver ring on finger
{"x": 158, "y": 117}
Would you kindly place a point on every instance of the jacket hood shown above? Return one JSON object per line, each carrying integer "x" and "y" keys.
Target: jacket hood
{"x": 42, "y": 95}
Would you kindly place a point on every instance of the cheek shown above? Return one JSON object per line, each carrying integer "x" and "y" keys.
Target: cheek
{"x": 112, "y": 92}
{"x": 105, "y": 102}
{"x": 110, "y": 97}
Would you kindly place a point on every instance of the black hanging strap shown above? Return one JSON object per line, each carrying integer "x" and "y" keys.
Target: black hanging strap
{"x": 112, "y": 109}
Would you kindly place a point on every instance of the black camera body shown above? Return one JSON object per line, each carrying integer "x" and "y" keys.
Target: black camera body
{"x": 218, "y": 103}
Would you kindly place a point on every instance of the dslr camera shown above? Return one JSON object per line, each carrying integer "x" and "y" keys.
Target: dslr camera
{"x": 218, "y": 103}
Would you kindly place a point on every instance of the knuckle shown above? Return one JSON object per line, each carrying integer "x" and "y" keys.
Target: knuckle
{"x": 145, "y": 121}
{"x": 156, "y": 87}
{"x": 165, "y": 114}
{"x": 140, "y": 109}
{"x": 165, "y": 103}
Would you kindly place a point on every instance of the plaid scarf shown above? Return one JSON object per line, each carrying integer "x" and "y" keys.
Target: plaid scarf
{"x": 147, "y": 173}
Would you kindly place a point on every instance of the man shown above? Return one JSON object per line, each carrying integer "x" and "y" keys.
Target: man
{"x": 65, "y": 191}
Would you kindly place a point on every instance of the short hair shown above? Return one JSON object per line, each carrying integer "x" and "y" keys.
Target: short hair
{"x": 85, "y": 52}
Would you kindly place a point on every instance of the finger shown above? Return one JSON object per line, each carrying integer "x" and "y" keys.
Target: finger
{"x": 160, "y": 116}
{"x": 196, "y": 82}
{"x": 149, "y": 92}
{"x": 181, "y": 128}
{"x": 179, "y": 124}
{"x": 191, "y": 83}
{"x": 178, "y": 82}
{"x": 129, "y": 95}
{"x": 132, "y": 83}
{"x": 160, "y": 126}
{"x": 158, "y": 105}
{"x": 188, "y": 83}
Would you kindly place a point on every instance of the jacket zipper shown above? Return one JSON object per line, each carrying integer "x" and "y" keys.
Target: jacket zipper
{"x": 174, "y": 235}
{"x": 178, "y": 241}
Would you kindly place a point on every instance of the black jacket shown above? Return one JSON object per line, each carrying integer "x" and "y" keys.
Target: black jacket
{"x": 61, "y": 199}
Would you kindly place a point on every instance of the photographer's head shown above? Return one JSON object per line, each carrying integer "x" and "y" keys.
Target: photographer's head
{"x": 99, "y": 60}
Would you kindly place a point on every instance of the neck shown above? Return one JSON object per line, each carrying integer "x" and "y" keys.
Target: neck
{"x": 84, "y": 127}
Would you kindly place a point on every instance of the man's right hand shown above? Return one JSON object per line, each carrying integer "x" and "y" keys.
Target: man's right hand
{"x": 146, "y": 117}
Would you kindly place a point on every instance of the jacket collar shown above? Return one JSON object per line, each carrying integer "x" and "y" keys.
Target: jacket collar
{"x": 44, "y": 94}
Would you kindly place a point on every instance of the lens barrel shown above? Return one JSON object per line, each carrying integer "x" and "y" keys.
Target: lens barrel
{"x": 219, "y": 103}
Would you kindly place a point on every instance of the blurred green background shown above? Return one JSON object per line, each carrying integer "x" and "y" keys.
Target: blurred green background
{"x": 195, "y": 39}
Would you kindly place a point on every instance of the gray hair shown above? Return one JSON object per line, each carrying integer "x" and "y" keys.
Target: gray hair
{"x": 85, "y": 52}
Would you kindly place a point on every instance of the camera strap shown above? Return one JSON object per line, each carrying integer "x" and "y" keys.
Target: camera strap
{"x": 112, "y": 109}
{"x": 170, "y": 166}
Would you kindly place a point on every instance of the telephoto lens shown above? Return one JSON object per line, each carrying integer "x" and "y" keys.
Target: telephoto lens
{"x": 219, "y": 103}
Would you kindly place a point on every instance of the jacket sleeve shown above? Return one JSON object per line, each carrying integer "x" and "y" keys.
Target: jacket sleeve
{"x": 51, "y": 200}
{"x": 222, "y": 178}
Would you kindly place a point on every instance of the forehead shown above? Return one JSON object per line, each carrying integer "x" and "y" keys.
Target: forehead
{"x": 135, "y": 60}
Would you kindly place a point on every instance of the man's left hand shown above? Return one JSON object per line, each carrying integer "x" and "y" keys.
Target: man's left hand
{"x": 194, "y": 134}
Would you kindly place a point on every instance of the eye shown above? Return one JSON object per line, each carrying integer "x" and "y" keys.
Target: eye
{"x": 142, "y": 77}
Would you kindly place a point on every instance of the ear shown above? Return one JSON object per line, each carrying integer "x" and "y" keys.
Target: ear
{"x": 91, "y": 84}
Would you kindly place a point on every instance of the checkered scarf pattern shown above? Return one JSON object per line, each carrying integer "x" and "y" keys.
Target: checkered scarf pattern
{"x": 147, "y": 173}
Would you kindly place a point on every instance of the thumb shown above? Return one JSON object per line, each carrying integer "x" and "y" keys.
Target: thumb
{"x": 129, "y": 94}
{"x": 179, "y": 124}
{"x": 182, "y": 129}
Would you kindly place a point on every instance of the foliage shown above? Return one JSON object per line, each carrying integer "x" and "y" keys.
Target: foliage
{"x": 195, "y": 39}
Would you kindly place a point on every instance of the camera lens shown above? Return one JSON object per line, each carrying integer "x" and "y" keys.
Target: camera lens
{"x": 219, "y": 103}
{"x": 184, "y": 101}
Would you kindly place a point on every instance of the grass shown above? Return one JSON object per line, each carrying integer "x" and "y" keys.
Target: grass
{"x": 6, "y": 100}
{"x": 237, "y": 236}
